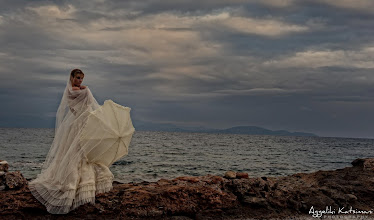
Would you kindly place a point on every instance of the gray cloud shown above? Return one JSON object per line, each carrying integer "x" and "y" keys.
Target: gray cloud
{"x": 296, "y": 65}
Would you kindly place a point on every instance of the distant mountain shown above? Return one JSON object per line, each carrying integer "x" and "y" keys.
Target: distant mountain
{"x": 148, "y": 126}
{"x": 252, "y": 130}
{"x": 261, "y": 131}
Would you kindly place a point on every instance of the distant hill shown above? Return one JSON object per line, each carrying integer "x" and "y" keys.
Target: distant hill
{"x": 262, "y": 131}
{"x": 252, "y": 130}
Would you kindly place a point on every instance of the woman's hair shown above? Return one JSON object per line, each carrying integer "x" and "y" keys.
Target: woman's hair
{"x": 75, "y": 72}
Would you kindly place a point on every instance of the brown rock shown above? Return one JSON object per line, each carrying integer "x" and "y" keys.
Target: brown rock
{"x": 213, "y": 197}
{"x": 191, "y": 179}
{"x": 364, "y": 163}
{"x": 230, "y": 175}
{"x": 240, "y": 175}
{"x": 4, "y": 166}
{"x": 351, "y": 197}
{"x": 162, "y": 182}
{"x": 212, "y": 179}
{"x": 255, "y": 201}
{"x": 14, "y": 180}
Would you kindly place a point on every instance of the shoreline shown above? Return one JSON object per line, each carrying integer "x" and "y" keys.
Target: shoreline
{"x": 297, "y": 196}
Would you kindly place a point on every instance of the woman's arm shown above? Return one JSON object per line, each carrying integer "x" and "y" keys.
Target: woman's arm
{"x": 78, "y": 88}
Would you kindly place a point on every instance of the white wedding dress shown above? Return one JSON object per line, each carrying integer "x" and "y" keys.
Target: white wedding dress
{"x": 68, "y": 179}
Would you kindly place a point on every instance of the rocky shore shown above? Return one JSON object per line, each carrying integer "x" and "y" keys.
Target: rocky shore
{"x": 344, "y": 193}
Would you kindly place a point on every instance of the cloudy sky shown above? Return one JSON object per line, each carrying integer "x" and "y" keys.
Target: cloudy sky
{"x": 299, "y": 65}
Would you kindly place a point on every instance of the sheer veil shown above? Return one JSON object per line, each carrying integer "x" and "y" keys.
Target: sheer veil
{"x": 67, "y": 180}
{"x": 72, "y": 105}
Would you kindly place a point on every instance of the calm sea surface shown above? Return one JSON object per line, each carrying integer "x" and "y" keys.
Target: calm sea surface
{"x": 155, "y": 155}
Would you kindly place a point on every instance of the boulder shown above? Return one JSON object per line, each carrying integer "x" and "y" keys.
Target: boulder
{"x": 364, "y": 163}
{"x": 241, "y": 175}
{"x": 4, "y": 166}
{"x": 14, "y": 180}
{"x": 230, "y": 175}
{"x": 10, "y": 180}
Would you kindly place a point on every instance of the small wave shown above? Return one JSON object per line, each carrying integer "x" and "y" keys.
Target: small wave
{"x": 122, "y": 162}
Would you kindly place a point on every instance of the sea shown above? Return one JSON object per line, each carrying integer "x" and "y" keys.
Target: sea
{"x": 156, "y": 155}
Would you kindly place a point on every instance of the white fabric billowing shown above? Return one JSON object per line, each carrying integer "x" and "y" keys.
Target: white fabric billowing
{"x": 68, "y": 177}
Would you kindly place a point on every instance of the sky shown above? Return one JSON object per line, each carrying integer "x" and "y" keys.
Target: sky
{"x": 297, "y": 65}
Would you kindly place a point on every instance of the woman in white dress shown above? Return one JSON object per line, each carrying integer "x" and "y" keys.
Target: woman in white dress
{"x": 67, "y": 180}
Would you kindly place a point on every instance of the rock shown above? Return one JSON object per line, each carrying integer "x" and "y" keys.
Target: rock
{"x": 190, "y": 179}
{"x": 364, "y": 163}
{"x": 240, "y": 175}
{"x": 181, "y": 218}
{"x": 230, "y": 175}
{"x": 255, "y": 201}
{"x": 10, "y": 180}
{"x": 162, "y": 182}
{"x": 351, "y": 197}
{"x": 209, "y": 179}
{"x": 212, "y": 197}
{"x": 15, "y": 180}
{"x": 4, "y": 166}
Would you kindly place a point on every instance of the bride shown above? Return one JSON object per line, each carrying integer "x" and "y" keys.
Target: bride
{"x": 68, "y": 179}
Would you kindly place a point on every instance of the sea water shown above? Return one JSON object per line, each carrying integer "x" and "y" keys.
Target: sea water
{"x": 156, "y": 155}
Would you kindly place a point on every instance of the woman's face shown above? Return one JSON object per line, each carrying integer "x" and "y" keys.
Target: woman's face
{"x": 77, "y": 80}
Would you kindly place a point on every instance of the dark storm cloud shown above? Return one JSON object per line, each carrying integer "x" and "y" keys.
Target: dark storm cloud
{"x": 280, "y": 64}
{"x": 330, "y": 29}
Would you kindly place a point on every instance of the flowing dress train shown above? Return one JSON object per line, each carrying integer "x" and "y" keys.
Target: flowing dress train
{"x": 68, "y": 179}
